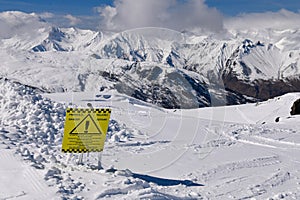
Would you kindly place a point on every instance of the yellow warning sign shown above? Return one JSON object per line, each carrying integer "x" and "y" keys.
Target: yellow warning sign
{"x": 85, "y": 130}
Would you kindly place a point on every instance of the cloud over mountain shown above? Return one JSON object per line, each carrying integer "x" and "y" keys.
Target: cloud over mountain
{"x": 127, "y": 14}
{"x": 282, "y": 19}
{"x": 192, "y": 15}
{"x": 16, "y": 23}
{"x": 72, "y": 19}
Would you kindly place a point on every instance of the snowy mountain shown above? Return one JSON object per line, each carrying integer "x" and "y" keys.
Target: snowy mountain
{"x": 71, "y": 39}
{"x": 237, "y": 152}
{"x": 244, "y": 66}
{"x": 153, "y": 149}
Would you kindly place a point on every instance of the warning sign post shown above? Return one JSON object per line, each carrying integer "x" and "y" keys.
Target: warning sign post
{"x": 85, "y": 130}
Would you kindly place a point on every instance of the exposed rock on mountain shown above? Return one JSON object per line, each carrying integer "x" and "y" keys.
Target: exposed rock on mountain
{"x": 295, "y": 110}
{"x": 160, "y": 66}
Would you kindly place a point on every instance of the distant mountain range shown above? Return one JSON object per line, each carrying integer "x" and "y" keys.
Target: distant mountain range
{"x": 159, "y": 66}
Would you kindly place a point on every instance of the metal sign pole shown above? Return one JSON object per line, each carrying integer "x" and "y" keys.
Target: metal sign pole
{"x": 99, "y": 160}
{"x": 99, "y": 157}
{"x": 80, "y": 160}
{"x": 85, "y": 131}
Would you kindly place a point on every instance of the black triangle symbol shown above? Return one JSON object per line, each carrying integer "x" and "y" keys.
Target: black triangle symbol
{"x": 86, "y": 119}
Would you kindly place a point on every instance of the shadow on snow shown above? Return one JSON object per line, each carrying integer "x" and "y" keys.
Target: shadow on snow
{"x": 165, "y": 182}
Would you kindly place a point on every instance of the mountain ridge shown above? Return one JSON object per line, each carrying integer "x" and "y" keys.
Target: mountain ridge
{"x": 240, "y": 67}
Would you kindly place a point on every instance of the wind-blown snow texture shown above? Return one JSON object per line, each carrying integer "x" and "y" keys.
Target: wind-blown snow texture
{"x": 234, "y": 152}
{"x": 245, "y": 66}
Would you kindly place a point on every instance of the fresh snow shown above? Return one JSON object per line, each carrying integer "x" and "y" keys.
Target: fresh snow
{"x": 232, "y": 152}
{"x": 218, "y": 153}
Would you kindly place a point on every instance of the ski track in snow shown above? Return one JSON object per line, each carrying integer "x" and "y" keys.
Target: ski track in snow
{"x": 46, "y": 169}
{"x": 235, "y": 152}
{"x": 250, "y": 136}
{"x": 25, "y": 181}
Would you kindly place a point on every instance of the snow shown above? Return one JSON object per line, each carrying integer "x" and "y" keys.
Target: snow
{"x": 150, "y": 152}
{"x": 206, "y": 53}
{"x": 232, "y": 152}
{"x": 27, "y": 181}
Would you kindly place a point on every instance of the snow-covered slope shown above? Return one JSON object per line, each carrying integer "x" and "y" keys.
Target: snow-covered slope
{"x": 208, "y": 153}
{"x": 71, "y": 39}
{"x": 20, "y": 30}
{"x": 248, "y": 151}
{"x": 30, "y": 32}
{"x": 245, "y": 66}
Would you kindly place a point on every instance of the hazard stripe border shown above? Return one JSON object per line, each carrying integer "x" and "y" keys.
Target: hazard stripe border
{"x": 80, "y": 150}
{"x": 91, "y": 110}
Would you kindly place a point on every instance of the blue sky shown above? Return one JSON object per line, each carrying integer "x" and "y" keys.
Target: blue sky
{"x": 74, "y": 7}
{"x": 235, "y": 7}
{"x": 85, "y": 7}
{"x": 117, "y": 15}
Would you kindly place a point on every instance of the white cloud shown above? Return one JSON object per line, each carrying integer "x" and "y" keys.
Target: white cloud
{"x": 46, "y": 15}
{"x": 280, "y": 20}
{"x": 73, "y": 20}
{"x": 127, "y": 14}
{"x": 18, "y": 23}
{"x": 65, "y": 21}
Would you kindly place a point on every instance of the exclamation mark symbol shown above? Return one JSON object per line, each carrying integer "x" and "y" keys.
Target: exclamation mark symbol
{"x": 87, "y": 123}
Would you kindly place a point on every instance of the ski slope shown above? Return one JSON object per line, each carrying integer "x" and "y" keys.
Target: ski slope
{"x": 232, "y": 152}
{"x": 151, "y": 153}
